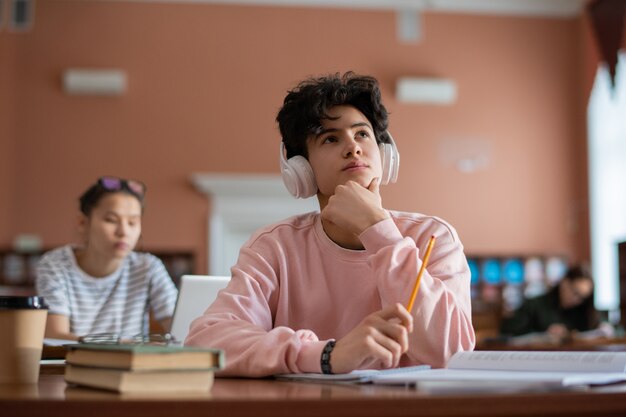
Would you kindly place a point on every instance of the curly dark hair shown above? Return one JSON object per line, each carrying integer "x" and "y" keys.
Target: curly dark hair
{"x": 308, "y": 104}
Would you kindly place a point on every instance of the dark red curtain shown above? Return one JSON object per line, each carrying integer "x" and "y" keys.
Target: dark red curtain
{"x": 607, "y": 18}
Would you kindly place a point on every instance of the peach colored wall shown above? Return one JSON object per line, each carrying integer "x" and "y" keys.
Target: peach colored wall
{"x": 205, "y": 82}
{"x": 7, "y": 133}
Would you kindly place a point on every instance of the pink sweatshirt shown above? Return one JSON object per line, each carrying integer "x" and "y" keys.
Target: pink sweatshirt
{"x": 293, "y": 289}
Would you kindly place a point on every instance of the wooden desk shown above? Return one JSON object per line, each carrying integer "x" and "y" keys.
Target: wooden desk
{"x": 609, "y": 344}
{"x": 243, "y": 397}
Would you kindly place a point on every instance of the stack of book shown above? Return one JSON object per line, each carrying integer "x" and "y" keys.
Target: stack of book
{"x": 142, "y": 368}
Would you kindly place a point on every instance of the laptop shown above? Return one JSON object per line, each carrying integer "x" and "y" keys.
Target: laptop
{"x": 195, "y": 295}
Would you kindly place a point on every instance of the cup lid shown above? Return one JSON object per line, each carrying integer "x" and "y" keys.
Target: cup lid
{"x": 20, "y": 302}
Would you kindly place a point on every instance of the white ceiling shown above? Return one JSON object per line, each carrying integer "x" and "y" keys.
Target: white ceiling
{"x": 549, "y": 8}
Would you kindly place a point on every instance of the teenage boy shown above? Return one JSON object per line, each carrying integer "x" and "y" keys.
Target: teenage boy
{"x": 325, "y": 292}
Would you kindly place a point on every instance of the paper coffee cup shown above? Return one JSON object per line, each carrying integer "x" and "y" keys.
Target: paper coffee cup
{"x": 22, "y": 326}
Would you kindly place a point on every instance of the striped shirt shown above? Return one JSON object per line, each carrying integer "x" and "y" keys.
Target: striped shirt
{"x": 118, "y": 303}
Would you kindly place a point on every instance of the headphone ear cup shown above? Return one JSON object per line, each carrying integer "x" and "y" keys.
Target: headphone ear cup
{"x": 386, "y": 163}
{"x": 297, "y": 175}
{"x": 306, "y": 185}
{"x": 395, "y": 164}
{"x": 390, "y": 163}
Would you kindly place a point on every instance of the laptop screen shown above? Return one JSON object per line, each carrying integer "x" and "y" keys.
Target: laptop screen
{"x": 195, "y": 295}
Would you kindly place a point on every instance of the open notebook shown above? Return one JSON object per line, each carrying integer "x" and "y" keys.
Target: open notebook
{"x": 504, "y": 369}
{"x": 195, "y": 295}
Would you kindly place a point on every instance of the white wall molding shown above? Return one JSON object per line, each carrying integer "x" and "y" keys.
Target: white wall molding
{"x": 241, "y": 204}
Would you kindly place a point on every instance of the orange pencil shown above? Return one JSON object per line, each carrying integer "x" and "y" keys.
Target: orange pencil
{"x": 416, "y": 287}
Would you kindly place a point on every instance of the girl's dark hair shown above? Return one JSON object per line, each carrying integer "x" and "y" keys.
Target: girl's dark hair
{"x": 308, "y": 104}
{"x": 90, "y": 198}
{"x": 577, "y": 272}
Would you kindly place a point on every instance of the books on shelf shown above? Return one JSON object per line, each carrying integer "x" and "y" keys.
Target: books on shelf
{"x": 142, "y": 367}
{"x": 550, "y": 369}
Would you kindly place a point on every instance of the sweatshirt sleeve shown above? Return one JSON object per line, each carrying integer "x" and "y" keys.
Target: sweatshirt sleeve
{"x": 442, "y": 309}
{"x": 240, "y": 322}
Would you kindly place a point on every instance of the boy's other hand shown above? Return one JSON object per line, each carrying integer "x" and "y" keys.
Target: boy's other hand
{"x": 378, "y": 341}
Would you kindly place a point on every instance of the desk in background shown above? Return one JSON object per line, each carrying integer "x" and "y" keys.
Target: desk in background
{"x": 607, "y": 344}
{"x": 255, "y": 397}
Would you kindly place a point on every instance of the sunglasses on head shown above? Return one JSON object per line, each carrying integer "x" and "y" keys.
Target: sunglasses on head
{"x": 119, "y": 184}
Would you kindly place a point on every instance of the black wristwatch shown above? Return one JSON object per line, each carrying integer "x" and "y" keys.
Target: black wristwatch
{"x": 325, "y": 360}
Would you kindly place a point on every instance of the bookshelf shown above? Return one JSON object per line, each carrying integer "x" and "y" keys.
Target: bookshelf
{"x": 177, "y": 263}
{"x": 501, "y": 283}
{"x": 17, "y": 269}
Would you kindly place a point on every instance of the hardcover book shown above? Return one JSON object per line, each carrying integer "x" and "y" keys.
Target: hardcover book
{"x": 142, "y": 368}
{"x": 143, "y": 356}
{"x": 125, "y": 381}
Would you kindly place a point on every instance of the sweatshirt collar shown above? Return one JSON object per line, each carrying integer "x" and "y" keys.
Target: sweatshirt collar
{"x": 334, "y": 249}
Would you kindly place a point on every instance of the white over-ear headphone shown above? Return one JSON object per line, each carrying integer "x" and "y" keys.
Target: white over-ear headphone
{"x": 300, "y": 181}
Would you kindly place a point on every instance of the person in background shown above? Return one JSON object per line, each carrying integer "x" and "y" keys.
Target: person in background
{"x": 325, "y": 292}
{"x": 103, "y": 286}
{"x": 561, "y": 313}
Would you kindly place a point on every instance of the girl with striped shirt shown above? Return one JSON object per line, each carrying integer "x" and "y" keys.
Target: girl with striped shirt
{"x": 103, "y": 286}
